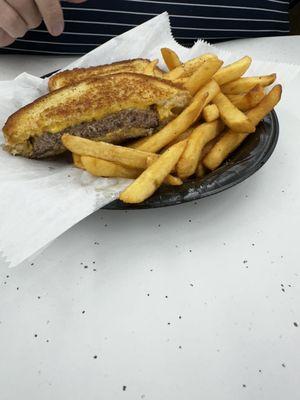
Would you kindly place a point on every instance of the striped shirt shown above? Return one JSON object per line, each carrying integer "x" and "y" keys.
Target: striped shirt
{"x": 94, "y": 22}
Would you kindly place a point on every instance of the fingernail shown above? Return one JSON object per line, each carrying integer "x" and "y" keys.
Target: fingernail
{"x": 57, "y": 29}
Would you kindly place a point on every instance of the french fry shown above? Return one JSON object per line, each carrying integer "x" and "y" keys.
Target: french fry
{"x": 232, "y": 116}
{"x": 173, "y": 180}
{"x": 106, "y": 151}
{"x": 149, "y": 70}
{"x": 232, "y": 71}
{"x": 212, "y": 88}
{"x": 226, "y": 145}
{"x": 243, "y": 85}
{"x": 207, "y": 148}
{"x": 151, "y": 179}
{"x": 171, "y": 59}
{"x": 170, "y": 179}
{"x": 201, "y": 170}
{"x": 203, "y": 74}
{"x": 188, "y": 68}
{"x": 174, "y": 128}
{"x": 265, "y": 106}
{"x": 181, "y": 137}
{"x": 184, "y": 70}
{"x": 200, "y": 136}
{"x": 231, "y": 140}
{"x": 103, "y": 168}
{"x": 210, "y": 113}
{"x": 77, "y": 161}
{"x": 98, "y": 167}
{"x": 245, "y": 102}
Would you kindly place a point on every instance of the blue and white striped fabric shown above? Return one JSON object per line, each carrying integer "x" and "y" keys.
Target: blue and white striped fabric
{"x": 95, "y": 22}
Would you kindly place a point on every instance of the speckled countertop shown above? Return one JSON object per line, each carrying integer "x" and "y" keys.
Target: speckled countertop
{"x": 199, "y": 301}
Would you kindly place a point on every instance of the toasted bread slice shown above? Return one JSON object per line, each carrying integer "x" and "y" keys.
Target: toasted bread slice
{"x": 90, "y": 100}
{"x": 70, "y": 77}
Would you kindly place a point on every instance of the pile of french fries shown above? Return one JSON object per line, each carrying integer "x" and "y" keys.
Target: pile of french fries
{"x": 225, "y": 109}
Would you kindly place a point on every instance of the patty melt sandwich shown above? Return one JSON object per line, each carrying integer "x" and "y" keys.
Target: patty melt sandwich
{"x": 111, "y": 108}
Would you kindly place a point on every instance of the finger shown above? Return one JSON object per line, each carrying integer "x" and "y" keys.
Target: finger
{"x": 52, "y": 15}
{"x": 11, "y": 22}
{"x": 5, "y": 39}
{"x": 28, "y": 10}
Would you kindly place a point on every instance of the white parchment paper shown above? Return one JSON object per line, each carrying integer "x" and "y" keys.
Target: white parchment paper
{"x": 39, "y": 200}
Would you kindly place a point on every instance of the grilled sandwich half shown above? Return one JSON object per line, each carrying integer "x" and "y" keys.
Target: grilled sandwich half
{"x": 112, "y": 108}
{"x": 70, "y": 77}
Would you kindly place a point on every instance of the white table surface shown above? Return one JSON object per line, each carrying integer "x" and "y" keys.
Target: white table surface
{"x": 198, "y": 301}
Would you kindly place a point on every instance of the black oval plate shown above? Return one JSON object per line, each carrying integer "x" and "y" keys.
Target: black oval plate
{"x": 244, "y": 162}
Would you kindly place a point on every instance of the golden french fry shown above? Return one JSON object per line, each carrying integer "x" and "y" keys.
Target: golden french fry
{"x": 170, "y": 179}
{"x": 151, "y": 67}
{"x": 232, "y": 116}
{"x": 188, "y": 68}
{"x": 265, "y": 106}
{"x": 171, "y": 59}
{"x": 106, "y": 151}
{"x": 203, "y": 74}
{"x": 226, "y": 145}
{"x": 231, "y": 140}
{"x": 173, "y": 180}
{"x": 232, "y": 71}
{"x": 151, "y": 179}
{"x": 103, "y": 168}
{"x": 174, "y": 128}
{"x": 206, "y": 149}
{"x": 201, "y": 170}
{"x": 245, "y": 102}
{"x": 98, "y": 167}
{"x": 200, "y": 136}
{"x": 243, "y": 85}
{"x": 77, "y": 161}
{"x": 181, "y": 137}
{"x": 210, "y": 113}
{"x": 212, "y": 88}
{"x": 184, "y": 70}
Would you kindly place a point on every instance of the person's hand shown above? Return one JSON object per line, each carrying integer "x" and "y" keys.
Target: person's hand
{"x": 18, "y": 16}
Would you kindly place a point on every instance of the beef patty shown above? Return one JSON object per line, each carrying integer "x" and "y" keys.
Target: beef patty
{"x": 115, "y": 128}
